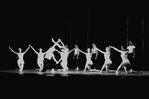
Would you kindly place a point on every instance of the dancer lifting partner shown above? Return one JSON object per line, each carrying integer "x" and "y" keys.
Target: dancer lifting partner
{"x": 108, "y": 61}
{"x": 125, "y": 60}
{"x": 20, "y": 60}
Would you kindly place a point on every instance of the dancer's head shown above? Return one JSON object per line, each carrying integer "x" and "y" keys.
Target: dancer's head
{"x": 40, "y": 49}
{"x": 20, "y": 50}
{"x": 76, "y": 46}
{"x": 107, "y": 49}
{"x": 122, "y": 48}
{"x": 130, "y": 43}
{"x": 93, "y": 45}
{"x": 66, "y": 46}
{"x": 88, "y": 50}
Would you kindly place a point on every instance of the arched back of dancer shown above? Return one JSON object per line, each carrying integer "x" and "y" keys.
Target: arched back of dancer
{"x": 88, "y": 59}
{"x": 20, "y": 55}
{"x": 131, "y": 53}
{"x": 64, "y": 53}
{"x": 125, "y": 60}
{"x": 108, "y": 61}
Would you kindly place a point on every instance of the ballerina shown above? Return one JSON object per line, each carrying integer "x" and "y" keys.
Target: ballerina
{"x": 88, "y": 58}
{"x": 108, "y": 61}
{"x": 64, "y": 53}
{"x": 125, "y": 60}
{"x": 20, "y": 55}
{"x": 40, "y": 58}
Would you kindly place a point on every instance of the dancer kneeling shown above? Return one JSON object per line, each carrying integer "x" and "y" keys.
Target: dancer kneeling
{"x": 125, "y": 60}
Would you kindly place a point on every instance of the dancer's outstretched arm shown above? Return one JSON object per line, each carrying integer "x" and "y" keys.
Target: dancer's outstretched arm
{"x": 115, "y": 49}
{"x": 13, "y": 51}
{"x": 34, "y": 49}
{"x": 100, "y": 51}
{"x": 71, "y": 50}
{"x": 55, "y": 59}
{"x": 27, "y": 49}
{"x": 81, "y": 51}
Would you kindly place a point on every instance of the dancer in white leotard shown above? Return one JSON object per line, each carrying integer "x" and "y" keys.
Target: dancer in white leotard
{"x": 125, "y": 60}
{"x": 108, "y": 61}
{"x": 20, "y": 54}
{"x": 88, "y": 59}
{"x": 64, "y": 53}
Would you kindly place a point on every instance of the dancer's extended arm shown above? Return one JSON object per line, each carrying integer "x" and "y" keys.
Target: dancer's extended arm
{"x": 27, "y": 49}
{"x": 116, "y": 49}
{"x": 34, "y": 49}
{"x": 13, "y": 51}
{"x": 81, "y": 51}
{"x": 100, "y": 51}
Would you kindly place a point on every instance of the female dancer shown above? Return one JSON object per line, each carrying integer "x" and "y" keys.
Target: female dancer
{"x": 125, "y": 60}
{"x": 20, "y": 54}
{"x": 64, "y": 57}
{"x": 88, "y": 59}
{"x": 108, "y": 61}
{"x": 40, "y": 58}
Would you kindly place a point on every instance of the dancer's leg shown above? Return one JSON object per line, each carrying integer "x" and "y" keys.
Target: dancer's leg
{"x": 102, "y": 68}
{"x": 118, "y": 68}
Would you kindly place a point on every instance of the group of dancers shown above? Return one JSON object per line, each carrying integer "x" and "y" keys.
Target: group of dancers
{"x": 64, "y": 53}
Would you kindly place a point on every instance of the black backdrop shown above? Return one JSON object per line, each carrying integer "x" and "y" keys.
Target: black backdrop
{"x": 80, "y": 23}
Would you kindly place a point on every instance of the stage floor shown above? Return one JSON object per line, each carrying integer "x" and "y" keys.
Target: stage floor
{"x": 50, "y": 72}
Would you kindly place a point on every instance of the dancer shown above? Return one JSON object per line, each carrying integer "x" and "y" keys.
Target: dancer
{"x": 64, "y": 57}
{"x": 41, "y": 57}
{"x": 49, "y": 54}
{"x": 131, "y": 53}
{"x": 88, "y": 59}
{"x": 94, "y": 50}
{"x": 20, "y": 60}
{"x": 76, "y": 52}
{"x": 94, "y": 56}
{"x": 125, "y": 60}
{"x": 108, "y": 61}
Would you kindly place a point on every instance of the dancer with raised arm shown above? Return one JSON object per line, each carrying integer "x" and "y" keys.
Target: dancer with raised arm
{"x": 88, "y": 59}
{"x": 125, "y": 60}
{"x": 64, "y": 53}
{"x": 40, "y": 58}
{"x": 131, "y": 53}
{"x": 108, "y": 61}
{"x": 20, "y": 55}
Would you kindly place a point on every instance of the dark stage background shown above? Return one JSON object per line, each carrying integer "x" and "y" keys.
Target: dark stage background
{"x": 73, "y": 23}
